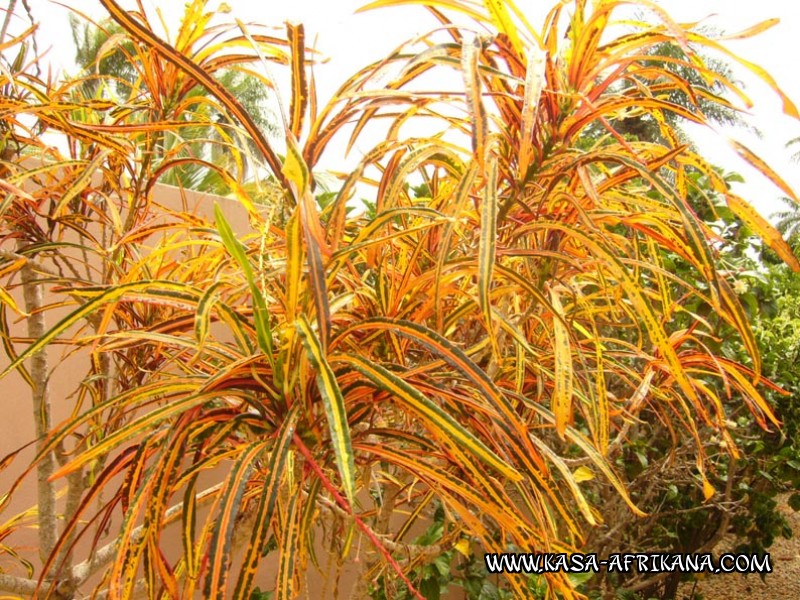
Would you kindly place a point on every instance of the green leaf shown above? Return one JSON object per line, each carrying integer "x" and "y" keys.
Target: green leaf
{"x": 260, "y": 313}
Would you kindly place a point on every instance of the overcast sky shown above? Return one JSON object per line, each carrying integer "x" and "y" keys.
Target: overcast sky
{"x": 351, "y": 40}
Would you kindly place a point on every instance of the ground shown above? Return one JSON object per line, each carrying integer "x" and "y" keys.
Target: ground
{"x": 782, "y": 584}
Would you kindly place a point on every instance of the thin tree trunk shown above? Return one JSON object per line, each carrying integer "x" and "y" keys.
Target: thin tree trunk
{"x": 32, "y": 292}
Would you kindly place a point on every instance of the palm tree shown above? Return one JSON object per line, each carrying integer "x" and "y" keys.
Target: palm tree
{"x": 788, "y": 223}
{"x": 794, "y": 142}
{"x": 112, "y": 66}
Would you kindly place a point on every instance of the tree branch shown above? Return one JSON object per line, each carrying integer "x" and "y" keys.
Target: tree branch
{"x": 35, "y": 265}
{"x": 40, "y": 393}
{"x": 82, "y": 571}
{"x": 17, "y": 585}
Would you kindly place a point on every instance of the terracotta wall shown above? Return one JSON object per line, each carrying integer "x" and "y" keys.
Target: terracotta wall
{"x": 17, "y": 429}
{"x": 66, "y": 369}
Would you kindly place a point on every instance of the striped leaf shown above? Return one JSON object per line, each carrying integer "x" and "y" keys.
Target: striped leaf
{"x": 461, "y": 197}
{"x": 8, "y": 346}
{"x": 505, "y": 416}
{"x": 335, "y": 409}
{"x": 562, "y": 355}
{"x": 487, "y": 249}
{"x": 294, "y": 266}
{"x": 300, "y": 93}
{"x": 189, "y": 521}
{"x": 469, "y": 67}
{"x": 592, "y": 454}
{"x": 81, "y": 182}
{"x": 274, "y": 470}
{"x": 202, "y": 318}
{"x": 229, "y": 508}
{"x": 439, "y": 422}
{"x": 158, "y": 291}
{"x": 289, "y": 549}
{"x": 214, "y": 87}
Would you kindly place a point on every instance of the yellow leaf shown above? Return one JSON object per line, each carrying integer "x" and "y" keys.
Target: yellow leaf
{"x": 5, "y": 298}
{"x": 502, "y": 20}
{"x": 294, "y": 167}
{"x": 463, "y": 547}
{"x": 583, "y": 474}
{"x": 754, "y": 30}
{"x": 563, "y": 383}
{"x": 708, "y": 490}
{"x": 766, "y": 170}
{"x": 760, "y": 226}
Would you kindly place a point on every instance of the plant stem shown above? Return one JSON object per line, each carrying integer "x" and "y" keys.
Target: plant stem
{"x": 48, "y": 528}
{"x": 345, "y": 505}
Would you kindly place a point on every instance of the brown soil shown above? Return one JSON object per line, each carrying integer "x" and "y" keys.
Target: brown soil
{"x": 782, "y": 584}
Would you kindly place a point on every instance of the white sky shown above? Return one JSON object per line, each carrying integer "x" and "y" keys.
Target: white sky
{"x": 351, "y": 40}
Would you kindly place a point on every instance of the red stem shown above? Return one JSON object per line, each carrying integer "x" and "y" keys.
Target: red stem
{"x": 345, "y": 506}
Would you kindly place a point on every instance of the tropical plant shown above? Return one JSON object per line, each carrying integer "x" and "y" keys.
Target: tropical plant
{"x": 788, "y": 220}
{"x": 707, "y": 95}
{"x": 789, "y": 224}
{"x": 78, "y": 218}
{"x": 112, "y": 66}
{"x": 471, "y": 352}
{"x": 660, "y": 474}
